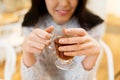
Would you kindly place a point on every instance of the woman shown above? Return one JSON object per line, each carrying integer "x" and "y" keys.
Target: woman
{"x": 38, "y": 60}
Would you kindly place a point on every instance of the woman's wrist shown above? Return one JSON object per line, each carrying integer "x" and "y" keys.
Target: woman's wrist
{"x": 29, "y": 59}
{"x": 89, "y": 62}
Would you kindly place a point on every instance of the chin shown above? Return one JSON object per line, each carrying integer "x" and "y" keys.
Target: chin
{"x": 60, "y": 22}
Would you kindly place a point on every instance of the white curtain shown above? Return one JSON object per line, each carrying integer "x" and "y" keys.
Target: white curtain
{"x": 98, "y": 7}
{"x": 113, "y": 7}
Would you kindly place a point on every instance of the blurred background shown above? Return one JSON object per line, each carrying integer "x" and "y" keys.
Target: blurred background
{"x": 11, "y": 16}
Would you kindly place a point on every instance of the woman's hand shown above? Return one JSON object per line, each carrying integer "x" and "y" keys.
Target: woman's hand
{"x": 35, "y": 43}
{"x": 84, "y": 44}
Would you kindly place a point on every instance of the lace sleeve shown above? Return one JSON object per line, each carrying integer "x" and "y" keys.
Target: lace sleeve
{"x": 98, "y": 31}
{"x": 26, "y": 30}
{"x": 31, "y": 73}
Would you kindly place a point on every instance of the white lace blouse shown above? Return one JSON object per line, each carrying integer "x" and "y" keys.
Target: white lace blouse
{"x": 45, "y": 69}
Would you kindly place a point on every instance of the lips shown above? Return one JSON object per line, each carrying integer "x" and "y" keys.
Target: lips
{"x": 62, "y": 12}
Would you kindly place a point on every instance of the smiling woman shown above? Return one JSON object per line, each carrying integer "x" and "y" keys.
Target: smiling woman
{"x": 61, "y": 10}
{"x": 39, "y": 61}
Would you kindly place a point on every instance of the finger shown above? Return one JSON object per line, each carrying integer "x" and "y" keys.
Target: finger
{"x": 37, "y": 39}
{"x": 74, "y": 31}
{"x": 76, "y": 47}
{"x": 41, "y": 33}
{"x": 34, "y": 50}
{"x": 49, "y": 29}
{"x": 73, "y": 40}
{"x": 89, "y": 51}
{"x": 42, "y": 41}
{"x": 36, "y": 45}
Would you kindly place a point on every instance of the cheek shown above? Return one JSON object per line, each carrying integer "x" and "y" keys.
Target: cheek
{"x": 74, "y": 4}
{"x": 50, "y": 5}
{"x": 51, "y": 9}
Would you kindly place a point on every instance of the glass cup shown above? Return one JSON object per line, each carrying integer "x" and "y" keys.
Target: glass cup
{"x": 63, "y": 62}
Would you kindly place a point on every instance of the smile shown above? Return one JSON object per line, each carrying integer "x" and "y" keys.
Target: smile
{"x": 63, "y": 12}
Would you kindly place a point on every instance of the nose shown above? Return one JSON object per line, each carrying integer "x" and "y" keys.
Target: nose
{"x": 64, "y": 3}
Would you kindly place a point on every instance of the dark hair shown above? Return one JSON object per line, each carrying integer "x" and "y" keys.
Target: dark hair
{"x": 38, "y": 9}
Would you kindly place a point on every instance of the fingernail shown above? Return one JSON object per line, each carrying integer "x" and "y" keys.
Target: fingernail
{"x": 52, "y": 26}
{"x": 66, "y": 53}
{"x": 47, "y": 36}
{"x": 59, "y": 48}
{"x": 68, "y": 30}
{"x": 61, "y": 41}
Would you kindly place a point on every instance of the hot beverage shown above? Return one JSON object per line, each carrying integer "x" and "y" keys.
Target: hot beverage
{"x": 61, "y": 53}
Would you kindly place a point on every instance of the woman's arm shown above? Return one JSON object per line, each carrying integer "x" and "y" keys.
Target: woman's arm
{"x": 28, "y": 59}
{"x": 84, "y": 43}
{"x": 97, "y": 33}
{"x": 30, "y": 73}
{"x": 29, "y": 63}
{"x": 34, "y": 43}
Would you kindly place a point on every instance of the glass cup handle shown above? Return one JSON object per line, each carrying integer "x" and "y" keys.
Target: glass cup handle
{"x": 51, "y": 46}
